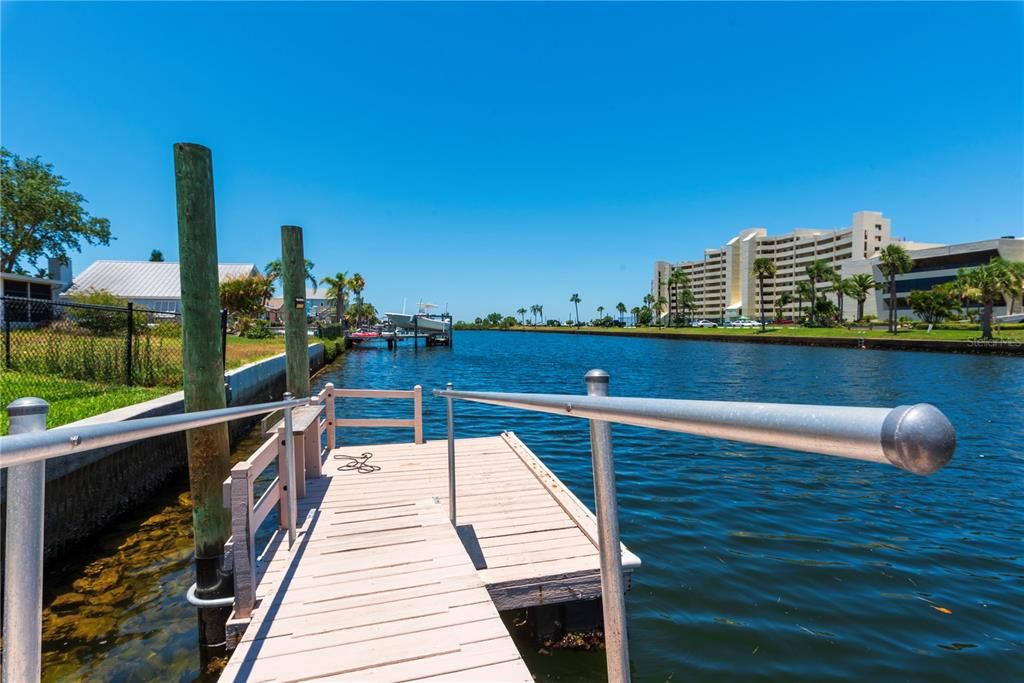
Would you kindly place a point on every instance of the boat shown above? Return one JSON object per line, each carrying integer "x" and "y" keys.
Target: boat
{"x": 422, "y": 320}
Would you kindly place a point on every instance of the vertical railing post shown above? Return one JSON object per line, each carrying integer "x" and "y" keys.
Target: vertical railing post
{"x": 224, "y": 338}
{"x": 289, "y": 460}
{"x": 23, "y": 564}
{"x": 613, "y": 589}
{"x": 7, "y": 337}
{"x": 451, "y": 457}
{"x": 417, "y": 412}
{"x": 331, "y": 435}
{"x": 244, "y": 553}
{"x": 128, "y": 352}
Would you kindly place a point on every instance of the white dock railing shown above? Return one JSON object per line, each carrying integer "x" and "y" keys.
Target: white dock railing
{"x": 915, "y": 438}
{"x": 24, "y": 452}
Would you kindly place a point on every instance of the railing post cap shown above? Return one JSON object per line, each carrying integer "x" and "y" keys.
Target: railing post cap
{"x": 918, "y": 438}
{"x": 596, "y": 375}
{"x": 30, "y": 405}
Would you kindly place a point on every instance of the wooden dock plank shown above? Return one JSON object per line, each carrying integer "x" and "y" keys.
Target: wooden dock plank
{"x": 379, "y": 587}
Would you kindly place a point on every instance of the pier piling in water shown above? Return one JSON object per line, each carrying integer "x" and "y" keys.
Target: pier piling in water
{"x": 203, "y": 378}
{"x": 293, "y": 285}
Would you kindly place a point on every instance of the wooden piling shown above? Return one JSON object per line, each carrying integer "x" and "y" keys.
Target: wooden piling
{"x": 293, "y": 285}
{"x": 203, "y": 365}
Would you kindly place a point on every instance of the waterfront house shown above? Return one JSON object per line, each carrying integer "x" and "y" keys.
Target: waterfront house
{"x": 155, "y": 285}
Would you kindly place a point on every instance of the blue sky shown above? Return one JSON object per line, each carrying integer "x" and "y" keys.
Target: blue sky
{"x": 493, "y": 156}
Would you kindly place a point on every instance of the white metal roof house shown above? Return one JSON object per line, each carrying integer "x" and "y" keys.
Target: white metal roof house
{"x": 153, "y": 284}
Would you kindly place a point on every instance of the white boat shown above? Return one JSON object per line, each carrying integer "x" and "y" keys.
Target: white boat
{"x": 410, "y": 321}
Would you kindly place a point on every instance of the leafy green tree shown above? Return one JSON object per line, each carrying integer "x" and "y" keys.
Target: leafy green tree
{"x": 818, "y": 271}
{"x": 156, "y": 256}
{"x": 861, "y": 285}
{"x": 39, "y": 216}
{"x": 493, "y": 319}
{"x": 644, "y": 316}
{"x": 575, "y": 299}
{"x": 763, "y": 268}
{"x": 336, "y": 287}
{"x": 274, "y": 269}
{"x": 892, "y": 261}
{"x": 244, "y": 298}
{"x": 621, "y": 308}
{"x": 933, "y": 305}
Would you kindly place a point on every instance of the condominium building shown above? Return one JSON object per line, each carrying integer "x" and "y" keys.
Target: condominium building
{"x": 724, "y": 287}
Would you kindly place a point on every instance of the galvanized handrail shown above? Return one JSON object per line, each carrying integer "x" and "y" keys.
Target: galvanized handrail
{"x": 20, "y": 449}
{"x": 916, "y": 438}
{"x": 24, "y": 452}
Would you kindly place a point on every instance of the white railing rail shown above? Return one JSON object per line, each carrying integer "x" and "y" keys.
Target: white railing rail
{"x": 915, "y": 438}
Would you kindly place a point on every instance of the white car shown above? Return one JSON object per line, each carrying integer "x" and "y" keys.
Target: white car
{"x": 703, "y": 323}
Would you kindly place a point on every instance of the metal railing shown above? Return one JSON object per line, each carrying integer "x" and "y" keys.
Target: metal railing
{"x": 24, "y": 453}
{"x": 915, "y": 438}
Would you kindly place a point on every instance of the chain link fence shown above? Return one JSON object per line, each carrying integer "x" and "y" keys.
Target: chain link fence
{"x": 129, "y": 346}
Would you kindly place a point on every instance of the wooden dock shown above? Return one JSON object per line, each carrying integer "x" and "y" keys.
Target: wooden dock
{"x": 380, "y": 587}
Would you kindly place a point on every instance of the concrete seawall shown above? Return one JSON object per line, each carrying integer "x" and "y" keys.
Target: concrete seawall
{"x": 87, "y": 490}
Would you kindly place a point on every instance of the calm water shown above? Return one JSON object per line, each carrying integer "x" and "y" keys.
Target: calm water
{"x": 759, "y": 564}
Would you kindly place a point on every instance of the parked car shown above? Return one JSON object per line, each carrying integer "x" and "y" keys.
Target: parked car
{"x": 704, "y": 323}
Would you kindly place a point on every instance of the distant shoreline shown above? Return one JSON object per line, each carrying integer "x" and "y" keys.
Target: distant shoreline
{"x": 1013, "y": 347}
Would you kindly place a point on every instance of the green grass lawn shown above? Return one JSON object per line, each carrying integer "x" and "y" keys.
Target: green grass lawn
{"x": 1015, "y": 334}
{"x": 70, "y": 400}
{"x": 75, "y": 399}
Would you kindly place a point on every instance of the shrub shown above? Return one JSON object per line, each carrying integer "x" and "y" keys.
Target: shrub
{"x": 103, "y": 321}
{"x": 259, "y": 329}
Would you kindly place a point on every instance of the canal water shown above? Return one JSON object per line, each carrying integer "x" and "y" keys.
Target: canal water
{"x": 759, "y": 564}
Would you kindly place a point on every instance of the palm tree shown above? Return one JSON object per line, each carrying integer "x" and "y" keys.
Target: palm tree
{"x": 892, "y": 261}
{"x": 357, "y": 284}
{"x": 860, "y": 285}
{"x": 600, "y": 311}
{"x": 274, "y": 269}
{"x": 621, "y": 308}
{"x": 679, "y": 282}
{"x": 684, "y": 300}
{"x": 841, "y": 286}
{"x": 533, "y": 313}
{"x": 1015, "y": 283}
{"x": 540, "y": 312}
{"x": 818, "y": 271}
{"x": 636, "y": 313}
{"x": 763, "y": 268}
{"x": 803, "y": 290}
{"x": 658, "y": 307}
{"x": 575, "y": 299}
{"x": 336, "y": 292}
{"x": 986, "y": 283}
{"x": 781, "y": 302}
{"x": 522, "y": 315}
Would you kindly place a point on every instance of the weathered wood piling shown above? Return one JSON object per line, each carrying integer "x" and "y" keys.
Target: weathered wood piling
{"x": 208, "y": 447}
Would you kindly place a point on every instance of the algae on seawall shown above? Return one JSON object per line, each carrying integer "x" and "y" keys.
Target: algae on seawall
{"x": 115, "y": 609}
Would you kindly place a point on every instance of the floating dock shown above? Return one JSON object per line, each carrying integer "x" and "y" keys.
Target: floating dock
{"x": 379, "y": 586}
